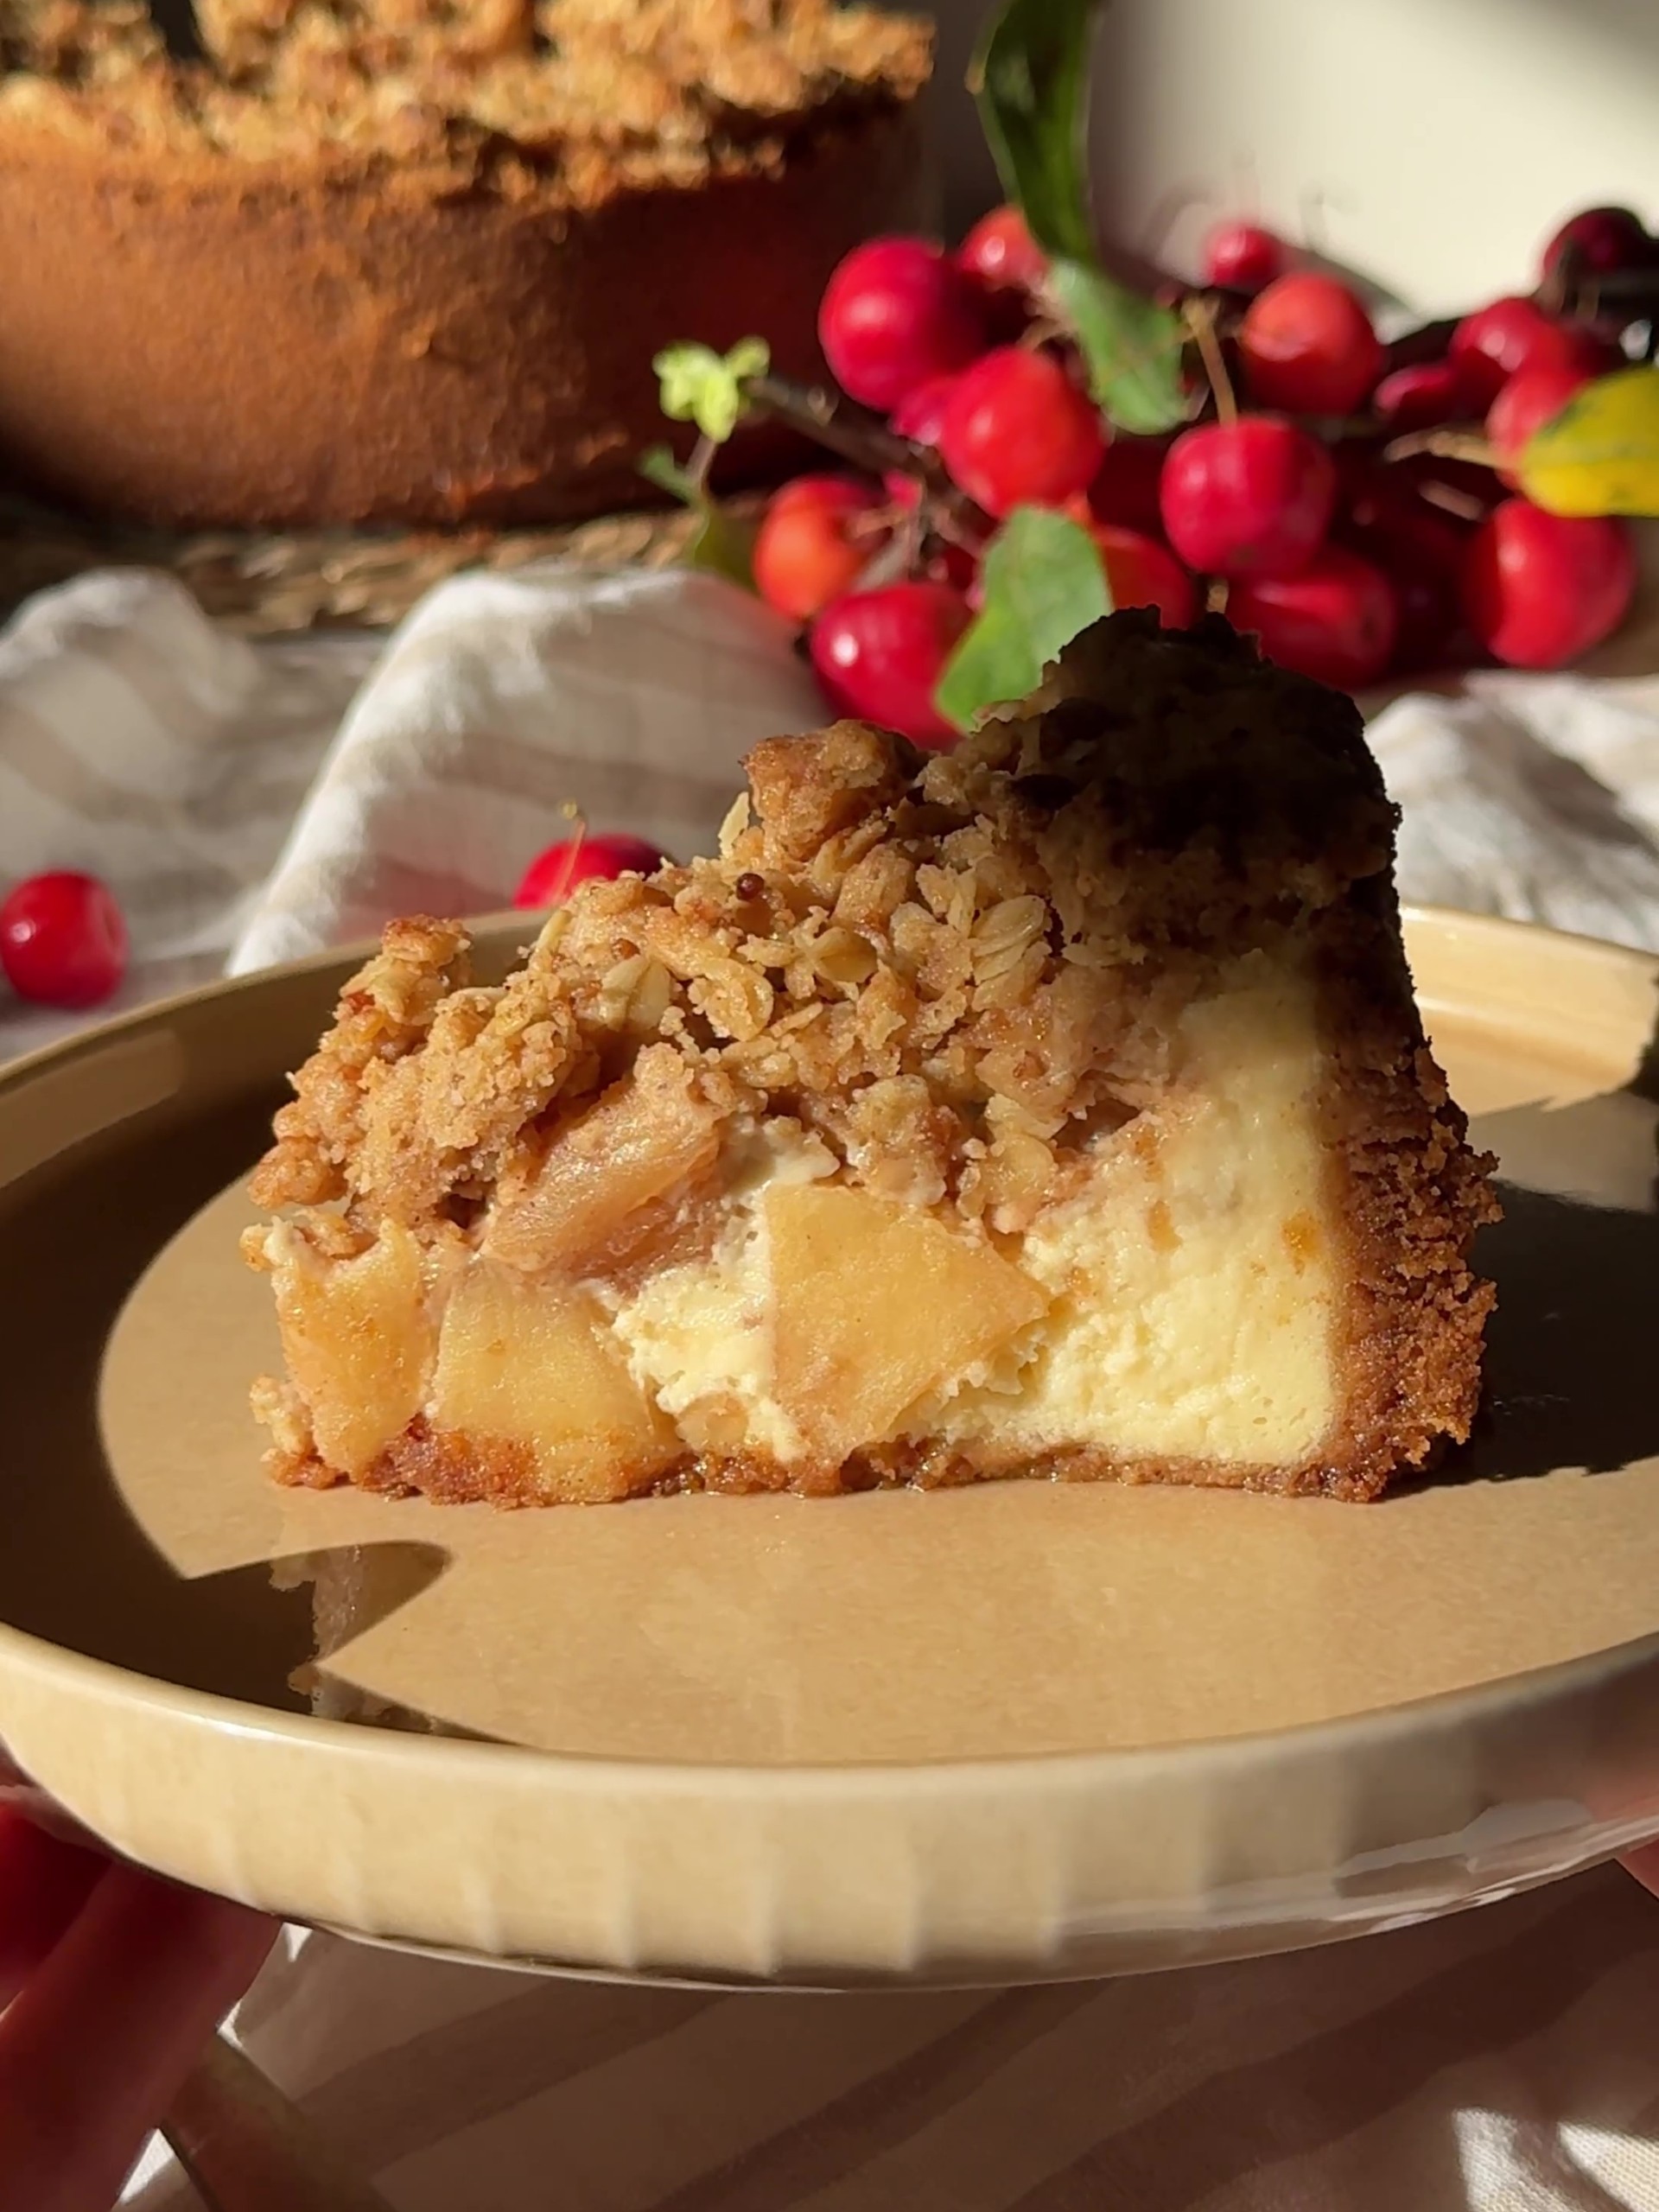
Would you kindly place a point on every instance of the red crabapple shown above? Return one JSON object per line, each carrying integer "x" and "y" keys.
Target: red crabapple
{"x": 1017, "y": 430}
{"x": 1243, "y": 257}
{"x": 1248, "y": 497}
{"x": 1538, "y": 590}
{"x": 919, "y": 415}
{"x": 1336, "y": 620}
{"x": 1498, "y": 341}
{"x": 554, "y": 875}
{"x": 1308, "y": 347}
{"x": 1529, "y": 399}
{"x": 1415, "y": 398}
{"x": 1000, "y": 253}
{"x": 1420, "y": 549}
{"x": 1139, "y": 572}
{"x": 880, "y": 655}
{"x": 63, "y": 939}
{"x": 1600, "y": 239}
{"x": 894, "y": 313}
{"x": 815, "y": 542}
{"x": 1125, "y": 489}
{"x": 954, "y": 564}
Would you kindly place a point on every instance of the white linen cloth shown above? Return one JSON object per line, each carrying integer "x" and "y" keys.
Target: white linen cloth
{"x": 248, "y": 804}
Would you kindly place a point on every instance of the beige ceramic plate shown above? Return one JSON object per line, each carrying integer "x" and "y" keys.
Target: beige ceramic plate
{"x": 995, "y": 1735}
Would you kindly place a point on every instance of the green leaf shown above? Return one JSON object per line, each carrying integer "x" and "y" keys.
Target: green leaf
{"x": 1030, "y": 76}
{"x": 1599, "y": 455}
{"x": 699, "y": 385}
{"x": 1131, "y": 347}
{"x": 1043, "y": 581}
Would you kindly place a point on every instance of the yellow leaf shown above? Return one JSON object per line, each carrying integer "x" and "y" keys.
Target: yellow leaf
{"x": 1600, "y": 454}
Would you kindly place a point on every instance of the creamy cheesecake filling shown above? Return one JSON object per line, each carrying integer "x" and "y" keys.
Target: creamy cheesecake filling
{"x": 1179, "y": 1306}
{"x": 699, "y": 1336}
{"x": 1195, "y": 1282}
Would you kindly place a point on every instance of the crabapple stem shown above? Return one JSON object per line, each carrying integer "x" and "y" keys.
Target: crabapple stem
{"x": 1200, "y": 320}
{"x": 1449, "y": 500}
{"x": 701, "y": 461}
{"x": 858, "y": 436}
{"x": 1445, "y": 445}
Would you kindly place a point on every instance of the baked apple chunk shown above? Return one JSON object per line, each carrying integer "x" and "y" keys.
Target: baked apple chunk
{"x": 529, "y": 1383}
{"x": 876, "y": 1304}
{"x": 1055, "y": 1106}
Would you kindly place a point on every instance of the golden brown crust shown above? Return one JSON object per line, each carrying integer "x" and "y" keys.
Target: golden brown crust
{"x": 958, "y": 972}
{"x": 1415, "y": 1312}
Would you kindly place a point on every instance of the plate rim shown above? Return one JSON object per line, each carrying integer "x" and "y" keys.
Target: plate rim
{"x": 212, "y": 1708}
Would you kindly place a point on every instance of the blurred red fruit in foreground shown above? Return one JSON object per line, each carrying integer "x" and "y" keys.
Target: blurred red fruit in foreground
{"x": 1242, "y": 256}
{"x": 1497, "y": 342}
{"x": 1336, "y": 620}
{"x": 1601, "y": 238}
{"x": 815, "y": 543}
{"x": 880, "y": 654}
{"x": 1018, "y": 431}
{"x": 1529, "y": 399}
{"x": 1250, "y": 498}
{"x": 63, "y": 940}
{"x": 1413, "y": 398}
{"x": 553, "y": 876}
{"x": 1540, "y": 589}
{"x": 1139, "y": 572}
{"x": 1308, "y": 347}
{"x": 895, "y": 312}
{"x": 1000, "y": 253}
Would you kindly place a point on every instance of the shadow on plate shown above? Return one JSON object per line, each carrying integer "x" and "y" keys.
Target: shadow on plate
{"x": 1571, "y": 1374}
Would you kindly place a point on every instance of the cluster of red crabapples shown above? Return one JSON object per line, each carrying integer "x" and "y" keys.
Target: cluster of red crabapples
{"x": 1290, "y": 505}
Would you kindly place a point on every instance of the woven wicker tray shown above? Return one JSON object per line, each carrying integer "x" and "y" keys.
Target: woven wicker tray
{"x": 275, "y": 584}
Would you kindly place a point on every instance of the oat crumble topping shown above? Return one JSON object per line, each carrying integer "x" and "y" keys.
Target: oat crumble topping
{"x": 578, "y": 97}
{"x": 955, "y": 968}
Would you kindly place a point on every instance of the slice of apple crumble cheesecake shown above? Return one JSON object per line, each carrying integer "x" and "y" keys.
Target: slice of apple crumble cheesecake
{"x": 1057, "y": 1106}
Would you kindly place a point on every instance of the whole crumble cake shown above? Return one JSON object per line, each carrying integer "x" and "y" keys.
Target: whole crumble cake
{"x": 1055, "y": 1106}
{"x": 409, "y": 260}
